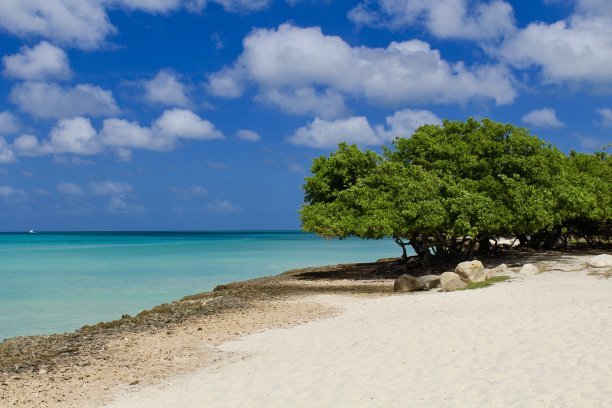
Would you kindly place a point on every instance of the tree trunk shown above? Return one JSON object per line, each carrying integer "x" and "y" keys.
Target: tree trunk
{"x": 402, "y": 244}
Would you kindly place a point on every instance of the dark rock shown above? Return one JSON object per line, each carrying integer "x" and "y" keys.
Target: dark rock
{"x": 407, "y": 283}
{"x": 430, "y": 281}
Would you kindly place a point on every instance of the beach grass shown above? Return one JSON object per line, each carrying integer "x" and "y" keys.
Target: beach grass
{"x": 487, "y": 283}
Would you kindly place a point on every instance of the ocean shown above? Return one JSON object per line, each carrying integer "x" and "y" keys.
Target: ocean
{"x": 58, "y": 282}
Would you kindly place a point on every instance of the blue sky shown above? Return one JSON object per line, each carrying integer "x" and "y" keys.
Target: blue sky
{"x": 195, "y": 114}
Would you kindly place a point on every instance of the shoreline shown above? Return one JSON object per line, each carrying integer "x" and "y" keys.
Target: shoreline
{"x": 187, "y": 332}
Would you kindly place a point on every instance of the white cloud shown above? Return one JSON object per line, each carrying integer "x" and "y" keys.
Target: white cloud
{"x": 181, "y": 123}
{"x": 222, "y": 206}
{"x": 218, "y": 40}
{"x": 72, "y": 160}
{"x": 82, "y": 23}
{"x": 296, "y": 168}
{"x": 544, "y": 118}
{"x": 226, "y": 83}
{"x": 588, "y": 142}
{"x": 6, "y": 153}
{"x": 76, "y": 136}
{"x": 121, "y": 205}
{"x": 148, "y": 6}
{"x": 357, "y": 129}
{"x": 578, "y": 49}
{"x": 606, "y": 116}
{"x": 73, "y": 136}
{"x": 8, "y": 192}
{"x": 306, "y": 101}
{"x": 40, "y": 191}
{"x": 595, "y": 7}
{"x": 290, "y": 58}
{"x": 119, "y": 195}
{"x": 403, "y": 123}
{"x": 85, "y": 23}
{"x": 462, "y": 19}
{"x": 248, "y": 135}
{"x": 166, "y": 89}
{"x": 110, "y": 188}
{"x": 70, "y": 189}
{"x": 164, "y": 134}
{"x": 9, "y": 123}
{"x": 46, "y": 100}
{"x": 123, "y": 154}
{"x": 122, "y": 133}
{"x": 42, "y": 62}
{"x": 27, "y": 145}
{"x": 197, "y": 191}
{"x": 327, "y": 134}
{"x": 189, "y": 192}
{"x": 243, "y": 6}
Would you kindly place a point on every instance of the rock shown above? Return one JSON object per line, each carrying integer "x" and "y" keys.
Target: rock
{"x": 471, "y": 270}
{"x": 407, "y": 283}
{"x": 480, "y": 276}
{"x": 450, "y": 281}
{"x": 600, "y": 261}
{"x": 529, "y": 269}
{"x": 430, "y": 281}
{"x": 499, "y": 270}
{"x": 503, "y": 268}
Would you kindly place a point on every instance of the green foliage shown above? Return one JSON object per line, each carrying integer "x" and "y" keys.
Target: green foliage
{"x": 448, "y": 189}
{"x": 338, "y": 172}
{"x": 487, "y": 283}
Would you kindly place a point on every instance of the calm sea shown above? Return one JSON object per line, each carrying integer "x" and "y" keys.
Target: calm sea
{"x": 56, "y": 282}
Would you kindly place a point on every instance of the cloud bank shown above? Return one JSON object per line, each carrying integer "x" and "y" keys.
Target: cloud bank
{"x": 302, "y": 70}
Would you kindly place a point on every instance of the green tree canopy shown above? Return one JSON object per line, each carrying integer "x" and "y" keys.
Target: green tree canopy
{"x": 449, "y": 188}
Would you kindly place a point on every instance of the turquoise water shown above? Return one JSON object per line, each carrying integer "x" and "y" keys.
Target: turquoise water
{"x": 56, "y": 282}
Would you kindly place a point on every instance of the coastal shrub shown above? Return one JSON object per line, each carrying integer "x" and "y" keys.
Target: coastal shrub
{"x": 448, "y": 189}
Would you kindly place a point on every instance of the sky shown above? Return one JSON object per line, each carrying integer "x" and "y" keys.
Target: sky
{"x": 206, "y": 115}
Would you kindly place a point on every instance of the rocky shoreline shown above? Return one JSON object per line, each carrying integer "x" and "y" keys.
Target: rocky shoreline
{"x": 74, "y": 369}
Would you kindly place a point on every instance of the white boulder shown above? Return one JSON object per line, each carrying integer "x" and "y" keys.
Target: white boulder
{"x": 499, "y": 270}
{"x": 473, "y": 271}
{"x": 450, "y": 281}
{"x": 600, "y": 261}
{"x": 529, "y": 269}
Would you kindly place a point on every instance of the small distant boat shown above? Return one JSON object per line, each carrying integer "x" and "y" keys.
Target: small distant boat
{"x": 31, "y": 232}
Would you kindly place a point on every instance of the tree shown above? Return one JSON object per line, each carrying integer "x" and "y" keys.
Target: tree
{"x": 338, "y": 172}
{"x": 448, "y": 189}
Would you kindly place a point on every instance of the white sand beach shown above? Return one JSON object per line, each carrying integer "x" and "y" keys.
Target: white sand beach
{"x": 535, "y": 341}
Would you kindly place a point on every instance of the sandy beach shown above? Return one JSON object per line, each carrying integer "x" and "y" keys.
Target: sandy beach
{"x": 533, "y": 341}
{"x": 537, "y": 341}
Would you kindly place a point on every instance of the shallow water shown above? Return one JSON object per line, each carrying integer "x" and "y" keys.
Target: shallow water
{"x": 54, "y": 282}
